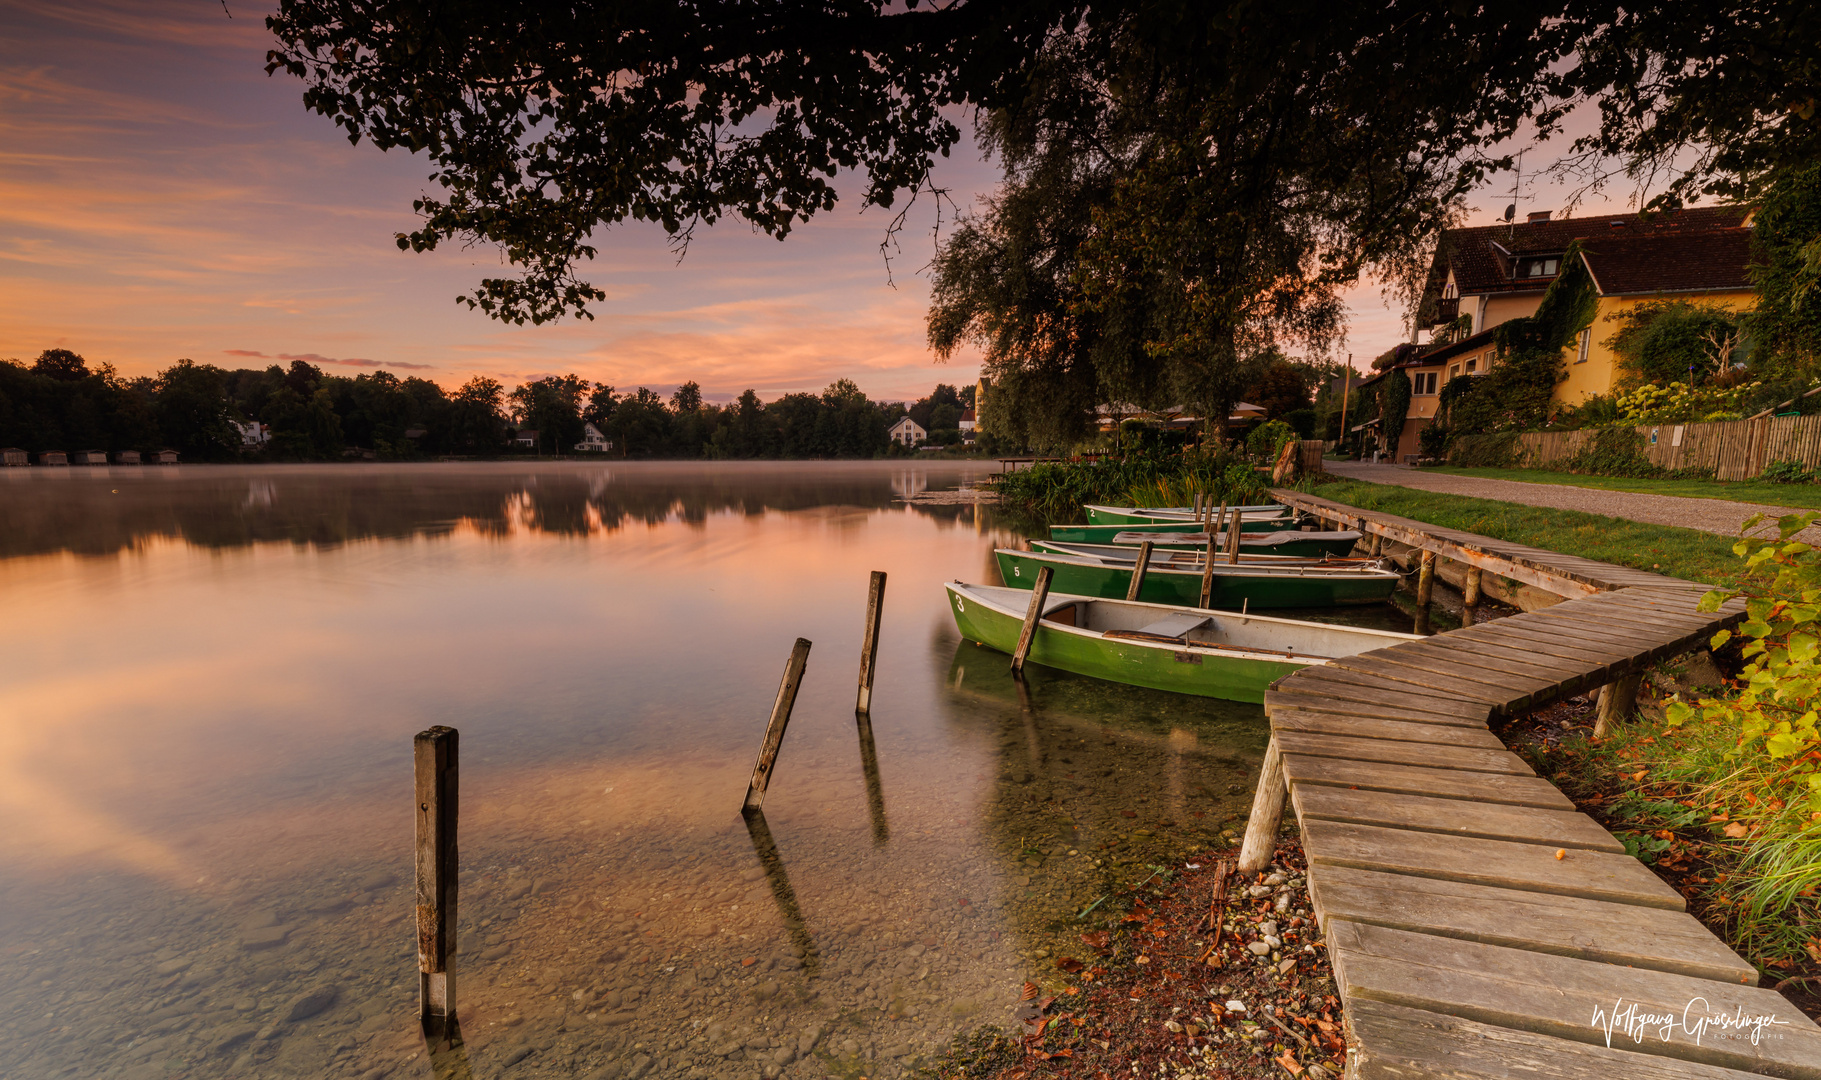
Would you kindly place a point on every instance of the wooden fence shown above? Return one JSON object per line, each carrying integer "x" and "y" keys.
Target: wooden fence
{"x": 1730, "y": 450}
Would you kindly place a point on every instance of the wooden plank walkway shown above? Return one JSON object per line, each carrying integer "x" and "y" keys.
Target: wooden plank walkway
{"x": 1480, "y": 926}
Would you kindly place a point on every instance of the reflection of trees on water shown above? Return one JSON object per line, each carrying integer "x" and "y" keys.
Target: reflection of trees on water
{"x": 1130, "y": 776}
{"x": 108, "y": 510}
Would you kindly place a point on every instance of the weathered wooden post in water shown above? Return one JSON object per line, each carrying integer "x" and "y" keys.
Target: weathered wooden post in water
{"x": 780, "y": 719}
{"x": 1425, "y": 588}
{"x": 1138, "y": 572}
{"x": 1207, "y": 572}
{"x": 869, "y": 644}
{"x": 435, "y": 764}
{"x": 1040, "y": 595}
{"x": 1470, "y": 597}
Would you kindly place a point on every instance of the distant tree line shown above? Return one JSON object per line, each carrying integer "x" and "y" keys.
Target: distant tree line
{"x": 59, "y": 402}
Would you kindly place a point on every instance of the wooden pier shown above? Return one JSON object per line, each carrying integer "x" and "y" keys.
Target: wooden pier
{"x": 1479, "y": 926}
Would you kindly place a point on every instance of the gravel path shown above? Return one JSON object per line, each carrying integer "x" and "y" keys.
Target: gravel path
{"x": 1708, "y": 515}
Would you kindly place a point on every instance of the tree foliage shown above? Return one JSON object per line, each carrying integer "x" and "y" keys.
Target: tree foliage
{"x": 1662, "y": 341}
{"x": 1786, "y": 326}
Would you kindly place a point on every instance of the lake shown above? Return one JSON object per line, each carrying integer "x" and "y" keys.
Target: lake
{"x": 212, "y": 676}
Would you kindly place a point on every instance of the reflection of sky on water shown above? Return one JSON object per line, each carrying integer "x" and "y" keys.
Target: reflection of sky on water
{"x": 206, "y": 723}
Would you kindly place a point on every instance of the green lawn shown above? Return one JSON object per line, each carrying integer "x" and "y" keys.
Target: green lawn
{"x": 1683, "y": 553}
{"x": 1803, "y": 496}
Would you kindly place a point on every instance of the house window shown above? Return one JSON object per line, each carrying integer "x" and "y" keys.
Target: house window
{"x": 1537, "y": 268}
{"x": 1424, "y": 382}
{"x": 1486, "y": 359}
{"x": 1473, "y": 364}
{"x": 1583, "y": 341}
{"x": 1454, "y": 372}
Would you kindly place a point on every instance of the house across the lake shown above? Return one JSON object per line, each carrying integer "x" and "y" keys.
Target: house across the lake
{"x": 12, "y": 455}
{"x": 89, "y": 457}
{"x": 593, "y": 442}
{"x": 526, "y": 437}
{"x": 126, "y": 457}
{"x": 970, "y": 425}
{"x": 53, "y": 457}
{"x": 163, "y": 457}
{"x": 907, "y": 432}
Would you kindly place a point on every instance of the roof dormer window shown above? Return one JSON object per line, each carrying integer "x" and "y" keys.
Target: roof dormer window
{"x": 1539, "y": 268}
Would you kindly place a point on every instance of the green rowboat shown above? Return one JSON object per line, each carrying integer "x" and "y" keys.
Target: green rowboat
{"x": 1309, "y": 544}
{"x": 1188, "y": 535}
{"x": 1248, "y": 585}
{"x": 1179, "y": 557}
{"x": 1187, "y": 650}
{"x": 1147, "y": 515}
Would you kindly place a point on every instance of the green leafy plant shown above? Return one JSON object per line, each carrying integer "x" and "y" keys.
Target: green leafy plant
{"x": 1613, "y": 451}
{"x": 1267, "y": 440}
{"x": 1780, "y": 640}
{"x": 1788, "y": 472}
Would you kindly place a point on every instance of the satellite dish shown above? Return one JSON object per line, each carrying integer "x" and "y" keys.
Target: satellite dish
{"x": 1511, "y": 211}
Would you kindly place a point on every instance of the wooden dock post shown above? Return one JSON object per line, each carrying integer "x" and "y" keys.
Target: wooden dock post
{"x": 1267, "y": 813}
{"x": 1040, "y": 595}
{"x": 1425, "y": 588}
{"x": 780, "y": 719}
{"x": 1235, "y": 529}
{"x": 1207, "y": 573}
{"x": 869, "y": 642}
{"x": 1618, "y": 699}
{"x": 1377, "y": 545}
{"x": 435, "y": 761}
{"x": 1470, "y": 597}
{"x": 1138, "y": 572}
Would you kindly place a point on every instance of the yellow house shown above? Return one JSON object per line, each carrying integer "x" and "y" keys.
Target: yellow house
{"x": 1496, "y": 273}
{"x": 1705, "y": 266}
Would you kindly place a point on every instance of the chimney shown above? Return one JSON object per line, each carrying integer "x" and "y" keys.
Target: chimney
{"x": 1537, "y": 215}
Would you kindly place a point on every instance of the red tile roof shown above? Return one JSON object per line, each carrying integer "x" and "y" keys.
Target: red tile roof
{"x": 1481, "y": 256}
{"x": 1710, "y": 260}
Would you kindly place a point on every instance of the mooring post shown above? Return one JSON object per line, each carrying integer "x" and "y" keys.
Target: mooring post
{"x": 1040, "y": 595}
{"x": 780, "y": 719}
{"x": 1235, "y": 529}
{"x": 1207, "y": 574}
{"x": 434, "y": 760}
{"x": 1618, "y": 699}
{"x": 1425, "y": 587}
{"x": 1138, "y": 571}
{"x": 869, "y": 643}
{"x": 1470, "y": 596}
{"x": 1377, "y": 546}
{"x": 1267, "y": 813}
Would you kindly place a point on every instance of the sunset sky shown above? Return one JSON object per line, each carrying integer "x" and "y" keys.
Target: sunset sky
{"x": 161, "y": 197}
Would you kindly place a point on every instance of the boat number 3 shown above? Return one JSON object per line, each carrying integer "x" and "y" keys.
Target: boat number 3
{"x": 959, "y": 606}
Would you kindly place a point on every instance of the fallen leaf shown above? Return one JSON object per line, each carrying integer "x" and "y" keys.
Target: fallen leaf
{"x": 1290, "y": 1064}
{"x": 1736, "y": 830}
{"x": 1030, "y": 992}
{"x": 749, "y": 961}
{"x": 1068, "y": 963}
{"x": 1128, "y": 813}
{"x": 1561, "y": 853}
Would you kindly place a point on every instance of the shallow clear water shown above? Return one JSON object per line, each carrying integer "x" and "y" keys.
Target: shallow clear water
{"x": 212, "y": 676}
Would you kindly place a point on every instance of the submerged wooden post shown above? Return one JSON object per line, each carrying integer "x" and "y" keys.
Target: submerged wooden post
{"x": 1425, "y": 587}
{"x": 1267, "y": 814}
{"x": 1617, "y": 700}
{"x": 869, "y": 642}
{"x": 780, "y": 719}
{"x": 1040, "y": 595}
{"x": 1470, "y": 596}
{"x": 434, "y": 760}
{"x": 1138, "y": 571}
{"x": 1207, "y": 574}
{"x": 1235, "y": 529}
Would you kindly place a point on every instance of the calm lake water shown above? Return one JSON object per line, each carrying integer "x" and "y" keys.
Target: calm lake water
{"x": 212, "y": 675}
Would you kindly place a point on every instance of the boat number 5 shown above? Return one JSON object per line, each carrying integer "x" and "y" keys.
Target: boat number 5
{"x": 1017, "y": 571}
